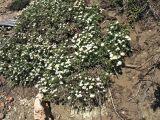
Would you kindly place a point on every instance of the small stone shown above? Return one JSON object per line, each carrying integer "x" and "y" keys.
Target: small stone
{"x": 10, "y": 99}
{"x": 1, "y": 105}
{"x": 123, "y": 112}
{"x": 1, "y": 116}
{"x": 39, "y": 112}
{"x": 9, "y": 108}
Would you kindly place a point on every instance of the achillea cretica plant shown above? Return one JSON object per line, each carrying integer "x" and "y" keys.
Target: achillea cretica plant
{"x": 58, "y": 46}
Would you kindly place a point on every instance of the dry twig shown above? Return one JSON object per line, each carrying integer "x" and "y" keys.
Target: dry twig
{"x": 136, "y": 93}
{"x": 114, "y": 107}
{"x": 132, "y": 66}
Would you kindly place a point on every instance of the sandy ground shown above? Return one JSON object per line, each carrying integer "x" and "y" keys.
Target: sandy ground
{"x": 4, "y": 10}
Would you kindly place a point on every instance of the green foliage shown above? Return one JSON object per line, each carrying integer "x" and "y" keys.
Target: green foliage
{"x": 19, "y": 4}
{"x": 58, "y": 47}
{"x": 4, "y": 36}
{"x": 134, "y": 8}
{"x": 118, "y": 3}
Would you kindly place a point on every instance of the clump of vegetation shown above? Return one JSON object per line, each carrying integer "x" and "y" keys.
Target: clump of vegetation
{"x": 19, "y": 4}
{"x": 5, "y": 34}
{"x": 58, "y": 46}
{"x": 135, "y": 9}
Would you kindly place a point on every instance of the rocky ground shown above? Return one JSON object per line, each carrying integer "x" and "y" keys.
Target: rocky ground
{"x": 134, "y": 95}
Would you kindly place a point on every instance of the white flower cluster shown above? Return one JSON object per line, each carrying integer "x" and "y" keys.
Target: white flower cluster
{"x": 87, "y": 87}
{"x": 57, "y": 46}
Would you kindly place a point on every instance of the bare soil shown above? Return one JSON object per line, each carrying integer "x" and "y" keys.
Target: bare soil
{"x": 5, "y": 13}
{"x": 134, "y": 94}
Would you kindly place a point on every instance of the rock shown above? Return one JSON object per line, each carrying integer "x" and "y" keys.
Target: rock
{"x": 1, "y": 116}
{"x": 10, "y": 99}
{"x": 9, "y": 108}
{"x": 1, "y": 105}
{"x": 39, "y": 112}
{"x": 8, "y": 23}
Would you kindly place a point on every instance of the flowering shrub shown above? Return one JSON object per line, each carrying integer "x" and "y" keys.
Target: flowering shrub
{"x": 58, "y": 46}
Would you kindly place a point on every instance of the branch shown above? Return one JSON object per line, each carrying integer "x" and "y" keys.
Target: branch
{"x": 114, "y": 107}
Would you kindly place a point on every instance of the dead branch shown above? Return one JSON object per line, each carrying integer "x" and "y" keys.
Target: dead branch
{"x": 148, "y": 85}
{"x": 136, "y": 93}
{"x": 141, "y": 67}
{"x": 114, "y": 107}
{"x": 132, "y": 66}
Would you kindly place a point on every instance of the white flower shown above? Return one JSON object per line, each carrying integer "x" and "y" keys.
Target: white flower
{"x": 49, "y": 67}
{"x": 116, "y": 35}
{"x": 60, "y": 76}
{"x": 80, "y": 77}
{"x": 84, "y": 87}
{"x": 95, "y": 47}
{"x": 92, "y": 83}
{"x": 80, "y": 84}
{"x": 69, "y": 97}
{"x": 107, "y": 73}
{"x": 92, "y": 95}
{"x": 79, "y": 95}
{"x": 122, "y": 54}
{"x": 98, "y": 79}
{"x": 116, "y": 44}
{"x": 102, "y": 87}
{"x": 89, "y": 78}
{"x": 57, "y": 66}
{"x": 62, "y": 64}
{"x": 110, "y": 32}
{"x": 123, "y": 45}
{"x": 116, "y": 22}
{"x": 114, "y": 57}
{"x": 55, "y": 90}
{"x": 110, "y": 54}
{"x": 117, "y": 49}
{"x": 98, "y": 84}
{"x": 45, "y": 83}
{"x": 76, "y": 53}
{"x": 37, "y": 69}
{"x": 102, "y": 44}
{"x": 61, "y": 82}
{"x": 127, "y": 37}
{"x": 119, "y": 63}
{"x": 90, "y": 87}
{"x": 72, "y": 92}
{"x": 81, "y": 49}
{"x": 44, "y": 90}
{"x": 42, "y": 79}
{"x": 112, "y": 27}
{"x": 93, "y": 79}
{"x": 86, "y": 84}
{"x": 120, "y": 41}
{"x": 55, "y": 95}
